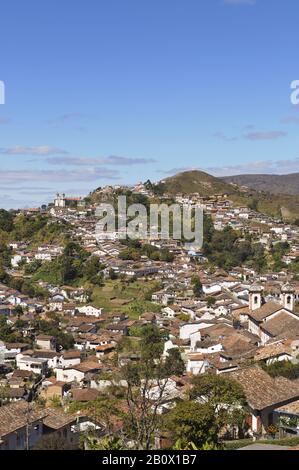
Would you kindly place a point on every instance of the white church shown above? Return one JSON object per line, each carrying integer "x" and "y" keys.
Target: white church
{"x": 274, "y": 319}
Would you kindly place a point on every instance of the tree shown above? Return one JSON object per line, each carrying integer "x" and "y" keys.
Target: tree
{"x": 4, "y": 394}
{"x": 197, "y": 286}
{"x": 253, "y": 204}
{"x": 91, "y": 270}
{"x": 210, "y": 301}
{"x": 147, "y": 388}
{"x": 6, "y": 220}
{"x": 223, "y": 395}
{"x": 167, "y": 256}
{"x": 192, "y": 424}
{"x": 174, "y": 363}
{"x": 104, "y": 411}
{"x": 112, "y": 275}
{"x": 282, "y": 369}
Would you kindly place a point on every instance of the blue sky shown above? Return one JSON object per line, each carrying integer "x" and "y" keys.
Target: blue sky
{"x": 118, "y": 91}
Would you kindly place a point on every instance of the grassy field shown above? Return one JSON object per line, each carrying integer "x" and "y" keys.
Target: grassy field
{"x": 130, "y": 298}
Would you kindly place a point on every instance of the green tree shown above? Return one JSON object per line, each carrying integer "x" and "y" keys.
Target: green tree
{"x": 192, "y": 423}
{"x": 6, "y": 220}
{"x": 174, "y": 363}
{"x": 210, "y": 301}
{"x": 197, "y": 286}
{"x": 146, "y": 390}
{"x": 223, "y": 395}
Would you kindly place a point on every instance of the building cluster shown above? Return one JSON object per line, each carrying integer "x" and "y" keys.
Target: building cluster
{"x": 240, "y": 322}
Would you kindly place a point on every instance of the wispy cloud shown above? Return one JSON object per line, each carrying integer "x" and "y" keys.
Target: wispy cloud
{"x": 221, "y": 136}
{"x": 86, "y": 161}
{"x": 239, "y": 2}
{"x": 271, "y": 135}
{"x": 75, "y": 161}
{"x": 115, "y": 160}
{"x": 255, "y": 135}
{"x": 4, "y": 121}
{"x": 257, "y": 167}
{"x": 72, "y": 120}
{"x": 66, "y": 117}
{"x": 17, "y": 188}
{"x": 174, "y": 171}
{"x": 290, "y": 120}
{"x": 43, "y": 150}
{"x": 28, "y": 176}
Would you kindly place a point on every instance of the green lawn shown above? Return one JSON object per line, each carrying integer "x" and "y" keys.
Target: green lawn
{"x": 130, "y": 298}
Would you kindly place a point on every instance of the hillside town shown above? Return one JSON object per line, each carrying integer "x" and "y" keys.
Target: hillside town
{"x": 80, "y": 316}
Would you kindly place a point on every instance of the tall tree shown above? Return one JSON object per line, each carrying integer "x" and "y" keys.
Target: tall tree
{"x": 223, "y": 395}
{"x": 147, "y": 388}
{"x": 191, "y": 425}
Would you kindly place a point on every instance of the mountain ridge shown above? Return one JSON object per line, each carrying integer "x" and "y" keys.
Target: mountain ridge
{"x": 272, "y": 183}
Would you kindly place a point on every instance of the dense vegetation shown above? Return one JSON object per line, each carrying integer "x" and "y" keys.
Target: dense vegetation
{"x": 74, "y": 265}
{"x": 283, "y": 369}
{"x": 135, "y": 250}
{"x": 224, "y": 249}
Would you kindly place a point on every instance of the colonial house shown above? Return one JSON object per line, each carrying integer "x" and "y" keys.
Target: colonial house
{"x": 54, "y": 390}
{"x": 46, "y": 342}
{"x": 33, "y": 364}
{"x": 274, "y": 352}
{"x": 22, "y": 425}
{"x": 90, "y": 310}
{"x": 15, "y": 433}
{"x": 264, "y": 395}
{"x": 197, "y": 363}
{"x": 78, "y": 373}
{"x": 187, "y": 329}
{"x": 69, "y": 359}
{"x": 51, "y": 357}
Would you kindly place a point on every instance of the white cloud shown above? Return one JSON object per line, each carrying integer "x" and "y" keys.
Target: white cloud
{"x": 257, "y": 167}
{"x": 42, "y": 150}
{"x": 87, "y": 161}
{"x": 271, "y": 135}
{"x": 28, "y": 176}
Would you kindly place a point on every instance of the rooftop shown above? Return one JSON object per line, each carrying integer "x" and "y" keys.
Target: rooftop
{"x": 263, "y": 391}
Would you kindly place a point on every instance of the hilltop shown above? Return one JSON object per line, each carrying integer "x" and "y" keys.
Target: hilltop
{"x": 197, "y": 182}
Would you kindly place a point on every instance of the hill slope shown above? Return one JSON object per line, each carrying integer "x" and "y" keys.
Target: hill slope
{"x": 275, "y": 184}
{"x": 197, "y": 182}
{"x": 284, "y": 206}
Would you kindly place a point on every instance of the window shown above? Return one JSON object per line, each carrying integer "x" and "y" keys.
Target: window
{"x": 289, "y": 299}
{"x": 256, "y": 299}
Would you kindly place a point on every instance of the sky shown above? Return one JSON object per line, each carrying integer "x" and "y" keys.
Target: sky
{"x": 118, "y": 91}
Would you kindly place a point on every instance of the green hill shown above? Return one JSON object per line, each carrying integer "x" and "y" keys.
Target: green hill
{"x": 197, "y": 182}
{"x": 283, "y": 206}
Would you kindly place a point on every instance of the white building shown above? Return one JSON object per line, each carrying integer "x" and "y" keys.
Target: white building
{"x": 36, "y": 365}
{"x": 90, "y": 310}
